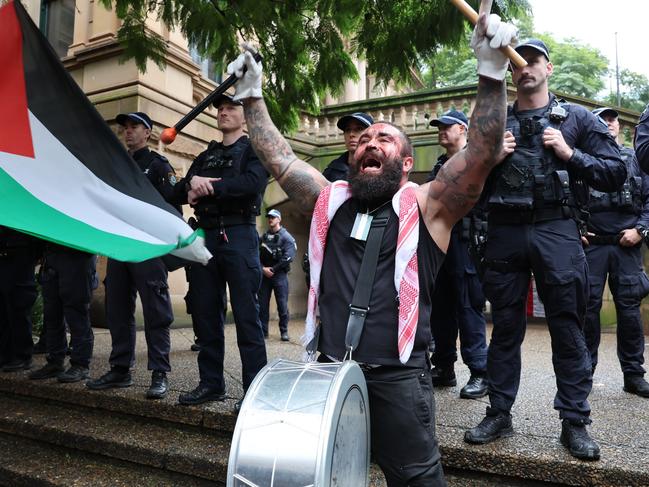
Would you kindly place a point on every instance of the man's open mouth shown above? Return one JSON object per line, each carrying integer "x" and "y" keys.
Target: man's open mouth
{"x": 370, "y": 165}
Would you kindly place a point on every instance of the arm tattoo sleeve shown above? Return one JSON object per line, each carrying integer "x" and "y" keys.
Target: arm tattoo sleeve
{"x": 301, "y": 182}
{"x": 461, "y": 179}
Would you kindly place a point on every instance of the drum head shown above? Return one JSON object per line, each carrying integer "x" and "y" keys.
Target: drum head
{"x": 302, "y": 425}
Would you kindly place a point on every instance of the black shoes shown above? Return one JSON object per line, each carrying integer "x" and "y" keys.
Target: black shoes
{"x": 75, "y": 373}
{"x": 48, "y": 371}
{"x": 635, "y": 384}
{"x": 195, "y": 347}
{"x": 110, "y": 380}
{"x": 200, "y": 395}
{"x": 159, "y": 385}
{"x": 576, "y": 439}
{"x": 17, "y": 365}
{"x": 284, "y": 336}
{"x": 443, "y": 377}
{"x": 494, "y": 425}
{"x": 476, "y": 388}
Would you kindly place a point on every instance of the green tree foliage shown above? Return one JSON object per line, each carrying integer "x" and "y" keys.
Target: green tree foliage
{"x": 578, "y": 69}
{"x": 307, "y": 45}
{"x": 634, "y": 91}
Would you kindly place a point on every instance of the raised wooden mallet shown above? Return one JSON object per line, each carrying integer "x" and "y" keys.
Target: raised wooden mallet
{"x": 472, "y": 16}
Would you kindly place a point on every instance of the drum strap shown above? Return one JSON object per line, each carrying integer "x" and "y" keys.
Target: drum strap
{"x": 360, "y": 304}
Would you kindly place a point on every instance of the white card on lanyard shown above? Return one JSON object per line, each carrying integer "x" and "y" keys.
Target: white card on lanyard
{"x": 361, "y": 227}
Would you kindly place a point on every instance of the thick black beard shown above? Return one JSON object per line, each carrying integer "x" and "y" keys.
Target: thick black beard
{"x": 376, "y": 189}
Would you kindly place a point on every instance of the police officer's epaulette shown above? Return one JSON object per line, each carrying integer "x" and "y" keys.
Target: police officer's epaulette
{"x": 159, "y": 156}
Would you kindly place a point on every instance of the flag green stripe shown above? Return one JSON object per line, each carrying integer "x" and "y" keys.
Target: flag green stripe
{"x": 33, "y": 216}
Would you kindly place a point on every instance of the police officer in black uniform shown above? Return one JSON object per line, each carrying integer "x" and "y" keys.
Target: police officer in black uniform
{"x": 148, "y": 279}
{"x": 458, "y": 300}
{"x": 276, "y": 252}
{"x": 534, "y": 199}
{"x": 352, "y": 126}
{"x": 18, "y": 256}
{"x": 225, "y": 186}
{"x": 67, "y": 280}
{"x": 618, "y": 224}
{"x": 641, "y": 142}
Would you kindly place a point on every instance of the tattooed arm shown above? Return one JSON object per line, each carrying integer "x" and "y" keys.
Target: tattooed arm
{"x": 301, "y": 182}
{"x": 459, "y": 183}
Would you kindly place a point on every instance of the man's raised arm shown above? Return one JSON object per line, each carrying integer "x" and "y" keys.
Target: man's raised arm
{"x": 459, "y": 183}
{"x": 301, "y": 182}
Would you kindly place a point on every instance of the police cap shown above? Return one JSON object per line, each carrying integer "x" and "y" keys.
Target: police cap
{"x": 225, "y": 98}
{"x": 363, "y": 118}
{"x": 451, "y": 117}
{"x": 603, "y": 111}
{"x": 536, "y": 44}
{"x": 135, "y": 117}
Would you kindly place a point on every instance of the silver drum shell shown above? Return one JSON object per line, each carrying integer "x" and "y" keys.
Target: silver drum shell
{"x": 301, "y": 425}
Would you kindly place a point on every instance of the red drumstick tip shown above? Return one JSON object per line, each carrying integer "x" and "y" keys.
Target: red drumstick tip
{"x": 168, "y": 135}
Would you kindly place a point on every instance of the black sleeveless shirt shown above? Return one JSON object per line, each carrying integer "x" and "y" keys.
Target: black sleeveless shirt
{"x": 342, "y": 261}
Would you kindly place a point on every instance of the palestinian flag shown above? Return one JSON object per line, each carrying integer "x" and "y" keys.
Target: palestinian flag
{"x": 64, "y": 175}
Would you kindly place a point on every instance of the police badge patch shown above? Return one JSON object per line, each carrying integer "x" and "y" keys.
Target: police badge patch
{"x": 171, "y": 177}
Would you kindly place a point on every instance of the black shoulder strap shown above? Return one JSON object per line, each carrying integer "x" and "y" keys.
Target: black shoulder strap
{"x": 360, "y": 304}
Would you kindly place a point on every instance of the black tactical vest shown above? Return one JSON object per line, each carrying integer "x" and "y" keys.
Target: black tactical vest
{"x": 219, "y": 161}
{"x": 628, "y": 199}
{"x": 532, "y": 177}
{"x": 271, "y": 250}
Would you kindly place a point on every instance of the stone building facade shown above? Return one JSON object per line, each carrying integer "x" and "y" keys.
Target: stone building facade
{"x": 83, "y": 32}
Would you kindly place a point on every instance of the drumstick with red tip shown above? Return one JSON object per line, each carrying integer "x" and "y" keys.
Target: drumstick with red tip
{"x": 169, "y": 134}
{"x": 472, "y": 16}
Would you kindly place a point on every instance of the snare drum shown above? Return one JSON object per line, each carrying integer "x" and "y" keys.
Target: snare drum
{"x": 303, "y": 424}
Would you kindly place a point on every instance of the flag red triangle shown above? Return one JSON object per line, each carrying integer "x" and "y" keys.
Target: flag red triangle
{"x": 15, "y": 132}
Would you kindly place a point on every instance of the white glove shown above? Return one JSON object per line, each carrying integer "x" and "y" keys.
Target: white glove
{"x": 488, "y": 36}
{"x": 249, "y": 84}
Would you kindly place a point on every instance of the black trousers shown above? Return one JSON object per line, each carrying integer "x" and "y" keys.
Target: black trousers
{"x": 458, "y": 301}
{"x": 277, "y": 284}
{"x": 67, "y": 283}
{"x": 628, "y": 284}
{"x": 553, "y": 251}
{"x": 235, "y": 264}
{"x": 149, "y": 279}
{"x": 17, "y": 297}
{"x": 402, "y": 416}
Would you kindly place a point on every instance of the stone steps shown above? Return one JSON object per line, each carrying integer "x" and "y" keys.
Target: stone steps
{"x": 119, "y": 429}
{"x": 177, "y": 448}
{"x": 31, "y": 463}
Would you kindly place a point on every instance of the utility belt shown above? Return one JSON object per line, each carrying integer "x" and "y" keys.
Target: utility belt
{"x": 222, "y": 221}
{"x": 604, "y": 239}
{"x": 527, "y": 216}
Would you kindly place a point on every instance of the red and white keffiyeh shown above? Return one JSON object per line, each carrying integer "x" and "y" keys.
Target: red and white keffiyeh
{"x": 406, "y": 278}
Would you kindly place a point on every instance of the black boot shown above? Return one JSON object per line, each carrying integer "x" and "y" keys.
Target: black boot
{"x": 443, "y": 376}
{"x": 159, "y": 385}
{"x": 495, "y": 424}
{"x": 47, "y": 371}
{"x": 635, "y": 384}
{"x": 576, "y": 439}
{"x": 113, "y": 378}
{"x": 76, "y": 373}
{"x": 476, "y": 387}
{"x": 200, "y": 395}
